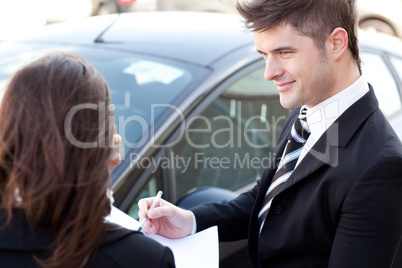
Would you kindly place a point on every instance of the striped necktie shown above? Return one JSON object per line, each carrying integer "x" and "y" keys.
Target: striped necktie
{"x": 296, "y": 140}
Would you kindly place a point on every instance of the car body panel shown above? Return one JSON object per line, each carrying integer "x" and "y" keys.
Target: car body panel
{"x": 80, "y": 32}
{"x": 191, "y": 45}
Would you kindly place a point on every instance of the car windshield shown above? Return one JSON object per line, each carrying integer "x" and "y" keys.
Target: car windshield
{"x": 144, "y": 90}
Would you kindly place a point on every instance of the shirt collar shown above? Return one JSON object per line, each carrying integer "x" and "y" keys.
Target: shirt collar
{"x": 322, "y": 115}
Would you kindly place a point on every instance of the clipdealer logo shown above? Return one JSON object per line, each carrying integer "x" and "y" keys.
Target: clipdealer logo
{"x": 237, "y": 131}
{"x": 234, "y": 136}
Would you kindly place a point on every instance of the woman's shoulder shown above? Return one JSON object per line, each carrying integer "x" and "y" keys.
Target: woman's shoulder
{"x": 126, "y": 248}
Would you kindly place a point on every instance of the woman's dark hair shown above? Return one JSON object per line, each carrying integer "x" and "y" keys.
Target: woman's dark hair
{"x": 57, "y": 182}
{"x": 313, "y": 18}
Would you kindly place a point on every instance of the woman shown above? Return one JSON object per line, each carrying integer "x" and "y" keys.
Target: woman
{"x": 56, "y": 150}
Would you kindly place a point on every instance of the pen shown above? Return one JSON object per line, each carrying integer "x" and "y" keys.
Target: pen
{"x": 156, "y": 200}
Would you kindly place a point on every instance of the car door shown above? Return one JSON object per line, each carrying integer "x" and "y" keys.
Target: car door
{"x": 228, "y": 139}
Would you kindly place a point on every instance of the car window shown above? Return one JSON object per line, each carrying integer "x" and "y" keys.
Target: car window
{"x": 231, "y": 141}
{"x": 142, "y": 88}
{"x": 380, "y": 77}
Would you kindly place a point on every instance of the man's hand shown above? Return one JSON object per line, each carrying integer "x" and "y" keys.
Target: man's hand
{"x": 165, "y": 219}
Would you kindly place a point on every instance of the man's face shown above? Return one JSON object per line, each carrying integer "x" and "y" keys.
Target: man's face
{"x": 302, "y": 72}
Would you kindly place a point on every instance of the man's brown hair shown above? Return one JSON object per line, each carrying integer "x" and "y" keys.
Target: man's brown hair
{"x": 313, "y": 18}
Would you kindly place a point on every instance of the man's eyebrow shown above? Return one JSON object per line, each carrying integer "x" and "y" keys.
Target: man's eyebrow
{"x": 277, "y": 49}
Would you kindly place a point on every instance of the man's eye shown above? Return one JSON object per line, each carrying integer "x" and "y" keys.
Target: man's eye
{"x": 285, "y": 53}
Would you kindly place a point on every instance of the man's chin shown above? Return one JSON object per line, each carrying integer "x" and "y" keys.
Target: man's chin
{"x": 287, "y": 103}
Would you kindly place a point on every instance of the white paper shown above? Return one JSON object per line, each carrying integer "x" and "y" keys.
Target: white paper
{"x": 199, "y": 250}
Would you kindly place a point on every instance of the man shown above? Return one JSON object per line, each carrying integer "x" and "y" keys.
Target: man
{"x": 340, "y": 204}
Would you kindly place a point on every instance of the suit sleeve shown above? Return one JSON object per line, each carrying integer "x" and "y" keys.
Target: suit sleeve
{"x": 370, "y": 227}
{"x": 232, "y": 218}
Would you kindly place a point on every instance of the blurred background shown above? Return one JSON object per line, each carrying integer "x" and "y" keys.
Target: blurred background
{"x": 21, "y": 17}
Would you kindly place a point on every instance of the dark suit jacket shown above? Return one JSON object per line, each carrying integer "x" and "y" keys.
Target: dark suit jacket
{"x": 118, "y": 249}
{"x": 341, "y": 207}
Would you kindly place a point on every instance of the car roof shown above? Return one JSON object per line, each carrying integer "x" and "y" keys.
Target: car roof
{"x": 184, "y": 36}
{"x": 198, "y": 38}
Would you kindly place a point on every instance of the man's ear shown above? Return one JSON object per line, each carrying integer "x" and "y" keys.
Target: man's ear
{"x": 338, "y": 42}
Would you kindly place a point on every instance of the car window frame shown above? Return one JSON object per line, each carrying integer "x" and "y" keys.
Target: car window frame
{"x": 168, "y": 174}
{"x": 205, "y": 103}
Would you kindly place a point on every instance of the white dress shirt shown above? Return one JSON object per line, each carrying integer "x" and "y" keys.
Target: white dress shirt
{"x": 321, "y": 116}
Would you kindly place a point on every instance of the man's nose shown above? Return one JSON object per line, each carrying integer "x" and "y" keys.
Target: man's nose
{"x": 273, "y": 69}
